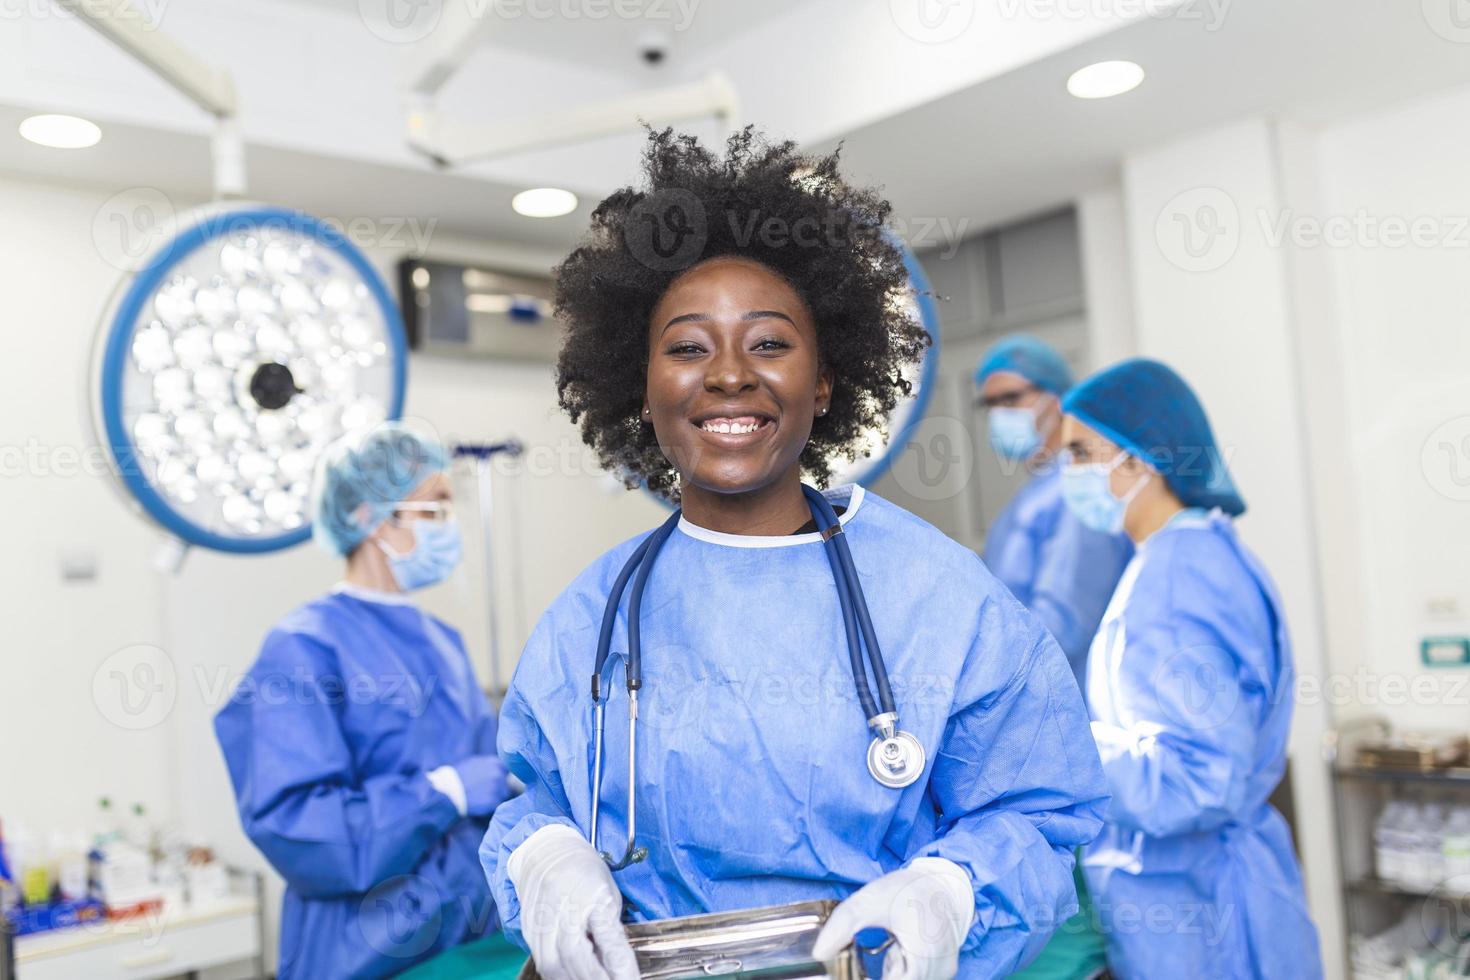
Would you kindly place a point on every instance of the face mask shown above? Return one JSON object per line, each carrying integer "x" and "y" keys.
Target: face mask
{"x": 1088, "y": 495}
{"x": 435, "y": 553}
{"x": 1013, "y": 433}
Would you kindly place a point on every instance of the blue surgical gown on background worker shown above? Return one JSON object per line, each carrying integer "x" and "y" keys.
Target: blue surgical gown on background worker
{"x": 1190, "y": 686}
{"x": 1061, "y": 570}
{"x": 328, "y": 740}
{"x": 753, "y": 787}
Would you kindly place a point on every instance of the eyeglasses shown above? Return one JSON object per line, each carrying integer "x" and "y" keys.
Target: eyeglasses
{"x": 1009, "y": 399}
{"x": 437, "y": 511}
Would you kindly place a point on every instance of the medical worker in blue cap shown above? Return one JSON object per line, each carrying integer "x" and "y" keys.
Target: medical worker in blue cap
{"x": 1059, "y": 568}
{"x": 1190, "y": 689}
{"x": 361, "y": 749}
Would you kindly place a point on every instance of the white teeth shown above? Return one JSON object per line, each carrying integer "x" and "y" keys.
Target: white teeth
{"x": 735, "y": 428}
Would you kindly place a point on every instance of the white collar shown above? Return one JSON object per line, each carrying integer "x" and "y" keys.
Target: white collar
{"x": 850, "y": 492}
{"x": 372, "y": 595}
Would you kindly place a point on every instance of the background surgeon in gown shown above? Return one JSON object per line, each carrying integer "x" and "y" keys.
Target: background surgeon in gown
{"x": 361, "y": 749}
{"x": 1060, "y": 569}
{"x": 1190, "y": 685}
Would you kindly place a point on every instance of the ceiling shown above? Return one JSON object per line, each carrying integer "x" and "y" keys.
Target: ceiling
{"x": 1010, "y": 146}
{"x": 1018, "y": 144}
{"x": 588, "y": 33}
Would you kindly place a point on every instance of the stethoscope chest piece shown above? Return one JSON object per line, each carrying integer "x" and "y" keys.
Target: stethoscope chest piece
{"x": 897, "y": 760}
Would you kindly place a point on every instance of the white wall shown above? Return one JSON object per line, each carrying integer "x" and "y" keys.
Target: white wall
{"x": 69, "y": 747}
{"x": 1402, "y": 317}
{"x": 1212, "y": 298}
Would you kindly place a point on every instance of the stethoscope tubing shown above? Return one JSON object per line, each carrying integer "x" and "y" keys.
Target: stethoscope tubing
{"x": 881, "y": 713}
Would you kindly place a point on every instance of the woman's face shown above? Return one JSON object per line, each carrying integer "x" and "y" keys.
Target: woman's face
{"x": 734, "y": 376}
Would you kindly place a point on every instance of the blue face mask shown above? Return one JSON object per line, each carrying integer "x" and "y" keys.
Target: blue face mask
{"x": 435, "y": 553}
{"x": 1089, "y": 496}
{"x": 1013, "y": 433}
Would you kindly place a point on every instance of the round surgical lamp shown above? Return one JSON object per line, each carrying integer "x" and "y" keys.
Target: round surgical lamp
{"x": 248, "y": 342}
{"x": 879, "y": 451}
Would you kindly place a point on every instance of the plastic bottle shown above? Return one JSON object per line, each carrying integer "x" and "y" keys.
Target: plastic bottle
{"x": 108, "y": 829}
{"x": 1456, "y": 849}
{"x": 70, "y": 854}
{"x": 1429, "y": 847}
{"x": 31, "y": 866}
{"x": 1387, "y": 841}
{"x": 140, "y": 832}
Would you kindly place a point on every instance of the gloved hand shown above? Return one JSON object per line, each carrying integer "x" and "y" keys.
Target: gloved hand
{"x": 571, "y": 910}
{"x": 485, "y": 785}
{"x": 926, "y": 907}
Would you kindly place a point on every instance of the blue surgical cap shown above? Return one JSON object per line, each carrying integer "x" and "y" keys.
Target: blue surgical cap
{"x": 1038, "y": 362}
{"x": 360, "y": 477}
{"x": 1150, "y": 412}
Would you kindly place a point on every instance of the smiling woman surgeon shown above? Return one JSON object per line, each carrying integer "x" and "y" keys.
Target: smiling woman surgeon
{"x": 718, "y": 380}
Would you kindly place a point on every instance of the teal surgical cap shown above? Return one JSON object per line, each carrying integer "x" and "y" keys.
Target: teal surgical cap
{"x": 1150, "y": 412}
{"x": 360, "y": 478}
{"x": 1039, "y": 363}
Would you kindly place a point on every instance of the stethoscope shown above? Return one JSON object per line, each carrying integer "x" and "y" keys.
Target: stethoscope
{"x": 895, "y": 758}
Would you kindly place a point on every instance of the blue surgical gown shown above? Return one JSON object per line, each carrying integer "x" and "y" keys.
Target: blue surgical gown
{"x": 752, "y": 783}
{"x": 1061, "y": 570}
{"x": 1190, "y": 686}
{"x": 328, "y": 739}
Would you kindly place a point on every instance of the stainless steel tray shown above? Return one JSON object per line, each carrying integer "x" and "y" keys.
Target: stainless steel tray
{"x": 772, "y": 943}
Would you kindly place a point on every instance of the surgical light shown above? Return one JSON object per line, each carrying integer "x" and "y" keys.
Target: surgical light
{"x": 61, "y": 132}
{"x": 880, "y": 448}
{"x": 544, "y": 202}
{"x": 1105, "y": 79}
{"x": 242, "y": 347}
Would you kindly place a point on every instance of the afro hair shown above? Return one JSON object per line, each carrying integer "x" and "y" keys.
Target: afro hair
{"x": 765, "y": 202}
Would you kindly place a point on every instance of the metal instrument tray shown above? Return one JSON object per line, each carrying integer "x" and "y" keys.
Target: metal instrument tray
{"x": 771, "y": 943}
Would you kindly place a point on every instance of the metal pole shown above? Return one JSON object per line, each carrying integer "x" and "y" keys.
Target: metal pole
{"x": 487, "y": 512}
{"x": 482, "y": 453}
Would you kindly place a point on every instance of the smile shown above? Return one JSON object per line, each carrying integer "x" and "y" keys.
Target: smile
{"x": 734, "y": 428}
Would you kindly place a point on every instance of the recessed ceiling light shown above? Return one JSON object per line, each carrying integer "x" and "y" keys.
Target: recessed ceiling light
{"x": 1105, "y": 79}
{"x": 544, "y": 202}
{"x": 62, "y": 132}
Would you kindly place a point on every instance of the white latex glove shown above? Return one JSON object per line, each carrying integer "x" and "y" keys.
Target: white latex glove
{"x": 927, "y": 908}
{"x": 571, "y": 911}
